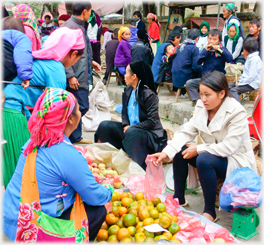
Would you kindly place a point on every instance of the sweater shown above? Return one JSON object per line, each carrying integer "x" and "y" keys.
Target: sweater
{"x": 133, "y": 37}
{"x": 123, "y": 56}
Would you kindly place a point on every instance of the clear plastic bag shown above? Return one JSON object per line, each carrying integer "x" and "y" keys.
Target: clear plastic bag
{"x": 135, "y": 184}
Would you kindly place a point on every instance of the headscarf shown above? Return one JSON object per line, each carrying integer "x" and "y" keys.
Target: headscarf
{"x": 236, "y": 37}
{"x": 64, "y": 17}
{"x": 55, "y": 20}
{"x": 153, "y": 16}
{"x": 144, "y": 74}
{"x": 41, "y": 21}
{"x": 122, "y": 29}
{"x": 94, "y": 19}
{"x": 207, "y": 26}
{"x": 24, "y": 13}
{"x": 59, "y": 44}
{"x": 49, "y": 118}
{"x": 231, "y": 7}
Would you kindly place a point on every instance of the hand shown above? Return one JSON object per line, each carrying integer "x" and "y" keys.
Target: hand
{"x": 73, "y": 83}
{"x": 190, "y": 152}
{"x": 161, "y": 156}
{"x": 125, "y": 128}
{"x": 216, "y": 47}
{"x": 208, "y": 47}
{"x": 150, "y": 41}
{"x": 25, "y": 84}
{"x": 96, "y": 66}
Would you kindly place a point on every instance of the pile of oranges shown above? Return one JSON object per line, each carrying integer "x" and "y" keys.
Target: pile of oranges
{"x": 130, "y": 214}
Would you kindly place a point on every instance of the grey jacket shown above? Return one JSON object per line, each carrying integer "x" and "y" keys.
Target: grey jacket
{"x": 82, "y": 69}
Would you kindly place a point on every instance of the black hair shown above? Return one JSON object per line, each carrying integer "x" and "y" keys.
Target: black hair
{"x": 250, "y": 44}
{"x": 174, "y": 34}
{"x": 216, "y": 32}
{"x": 78, "y": 8}
{"x": 177, "y": 28}
{"x": 216, "y": 81}
{"x": 80, "y": 51}
{"x": 116, "y": 32}
{"x": 255, "y": 21}
{"x": 12, "y": 23}
{"x": 133, "y": 23}
{"x": 166, "y": 48}
{"x": 193, "y": 34}
{"x": 47, "y": 16}
{"x": 138, "y": 14}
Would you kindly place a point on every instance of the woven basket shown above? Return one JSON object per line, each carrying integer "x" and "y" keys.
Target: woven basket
{"x": 231, "y": 78}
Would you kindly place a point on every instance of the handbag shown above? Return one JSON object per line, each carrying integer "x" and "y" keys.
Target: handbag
{"x": 36, "y": 226}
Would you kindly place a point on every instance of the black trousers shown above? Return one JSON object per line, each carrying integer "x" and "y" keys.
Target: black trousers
{"x": 96, "y": 216}
{"x": 137, "y": 143}
{"x": 82, "y": 97}
{"x": 96, "y": 47}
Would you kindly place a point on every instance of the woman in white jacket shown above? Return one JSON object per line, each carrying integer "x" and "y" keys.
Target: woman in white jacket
{"x": 222, "y": 124}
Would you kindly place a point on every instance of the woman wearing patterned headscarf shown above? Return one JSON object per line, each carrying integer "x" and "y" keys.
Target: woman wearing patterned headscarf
{"x": 24, "y": 13}
{"x": 153, "y": 31}
{"x": 60, "y": 172}
{"x": 203, "y": 39}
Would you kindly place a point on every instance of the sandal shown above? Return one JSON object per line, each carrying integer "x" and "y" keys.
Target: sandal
{"x": 185, "y": 204}
{"x": 216, "y": 219}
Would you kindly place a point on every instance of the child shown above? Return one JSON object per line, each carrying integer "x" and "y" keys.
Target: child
{"x": 252, "y": 74}
{"x": 213, "y": 57}
{"x": 166, "y": 64}
{"x": 203, "y": 39}
{"x": 55, "y": 23}
{"x": 123, "y": 56}
{"x": 133, "y": 30}
{"x": 184, "y": 66}
{"x": 234, "y": 43}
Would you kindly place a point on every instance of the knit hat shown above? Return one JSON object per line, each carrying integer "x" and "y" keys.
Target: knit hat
{"x": 64, "y": 17}
{"x": 122, "y": 29}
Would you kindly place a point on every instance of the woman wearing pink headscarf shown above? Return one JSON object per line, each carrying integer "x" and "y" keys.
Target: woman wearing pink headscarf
{"x": 62, "y": 49}
{"x": 153, "y": 31}
{"x": 24, "y": 13}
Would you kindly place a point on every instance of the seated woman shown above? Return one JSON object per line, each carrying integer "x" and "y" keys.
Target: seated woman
{"x": 141, "y": 127}
{"x": 222, "y": 124}
{"x": 59, "y": 170}
{"x": 62, "y": 49}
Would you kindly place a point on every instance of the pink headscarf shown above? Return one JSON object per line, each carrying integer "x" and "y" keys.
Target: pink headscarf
{"x": 49, "y": 118}
{"x": 153, "y": 16}
{"x": 59, "y": 43}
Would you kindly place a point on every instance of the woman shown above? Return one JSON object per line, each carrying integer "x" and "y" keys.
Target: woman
{"x": 60, "y": 169}
{"x": 222, "y": 124}
{"x": 141, "y": 127}
{"x": 24, "y": 13}
{"x": 153, "y": 31}
{"x": 62, "y": 49}
{"x": 228, "y": 11}
{"x": 203, "y": 39}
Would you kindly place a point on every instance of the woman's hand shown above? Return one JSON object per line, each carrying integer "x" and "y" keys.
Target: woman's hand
{"x": 125, "y": 128}
{"x": 25, "y": 84}
{"x": 190, "y": 152}
{"x": 161, "y": 156}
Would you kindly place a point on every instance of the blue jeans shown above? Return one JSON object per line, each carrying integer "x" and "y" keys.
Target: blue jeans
{"x": 209, "y": 167}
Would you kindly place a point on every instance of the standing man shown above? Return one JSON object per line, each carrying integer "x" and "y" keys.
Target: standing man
{"x": 255, "y": 31}
{"x": 80, "y": 75}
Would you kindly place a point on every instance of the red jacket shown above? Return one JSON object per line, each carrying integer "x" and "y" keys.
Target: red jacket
{"x": 153, "y": 30}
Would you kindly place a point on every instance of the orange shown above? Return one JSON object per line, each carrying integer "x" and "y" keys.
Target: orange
{"x": 102, "y": 235}
{"x": 174, "y": 218}
{"x": 133, "y": 206}
{"x": 116, "y": 204}
{"x": 149, "y": 240}
{"x": 132, "y": 230}
{"x": 122, "y": 210}
{"x": 175, "y": 240}
{"x": 164, "y": 221}
{"x": 120, "y": 223}
{"x": 163, "y": 237}
{"x": 112, "y": 239}
{"x": 150, "y": 208}
{"x": 156, "y": 221}
{"x": 149, "y": 234}
{"x": 140, "y": 237}
{"x": 167, "y": 234}
{"x": 113, "y": 230}
{"x": 156, "y": 201}
{"x": 139, "y": 196}
{"x": 137, "y": 220}
{"x": 139, "y": 230}
{"x": 130, "y": 195}
{"x": 165, "y": 213}
{"x": 142, "y": 207}
{"x": 154, "y": 213}
{"x": 133, "y": 211}
{"x": 115, "y": 196}
{"x": 104, "y": 226}
{"x": 129, "y": 220}
{"x": 123, "y": 195}
{"x": 139, "y": 225}
{"x": 148, "y": 221}
{"x": 143, "y": 215}
{"x": 156, "y": 238}
{"x": 115, "y": 211}
{"x": 126, "y": 240}
{"x": 111, "y": 219}
{"x": 123, "y": 233}
{"x": 142, "y": 202}
{"x": 161, "y": 207}
{"x": 174, "y": 228}
{"x": 125, "y": 201}
{"x": 149, "y": 203}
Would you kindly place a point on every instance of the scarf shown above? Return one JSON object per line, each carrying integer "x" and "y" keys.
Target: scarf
{"x": 231, "y": 7}
{"x": 59, "y": 44}
{"x": 153, "y": 16}
{"x": 122, "y": 29}
{"x": 236, "y": 37}
{"x": 186, "y": 42}
{"x": 207, "y": 26}
{"x": 94, "y": 19}
{"x": 217, "y": 54}
{"x": 49, "y": 118}
{"x": 24, "y": 13}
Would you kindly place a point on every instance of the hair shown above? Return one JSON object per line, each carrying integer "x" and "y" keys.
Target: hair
{"x": 13, "y": 23}
{"x": 174, "y": 34}
{"x": 166, "y": 48}
{"x": 78, "y": 8}
{"x": 216, "y": 81}
{"x": 193, "y": 34}
{"x": 80, "y": 51}
{"x": 177, "y": 28}
{"x": 47, "y": 16}
{"x": 256, "y": 22}
{"x": 216, "y": 32}
{"x": 250, "y": 44}
{"x": 138, "y": 14}
{"x": 116, "y": 32}
{"x": 133, "y": 23}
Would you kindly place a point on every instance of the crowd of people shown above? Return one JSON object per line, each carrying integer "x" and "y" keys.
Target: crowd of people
{"x": 58, "y": 56}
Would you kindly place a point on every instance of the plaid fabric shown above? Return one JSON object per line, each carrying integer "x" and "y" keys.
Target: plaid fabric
{"x": 186, "y": 42}
{"x": 212, "y": 51}
{"x": 24, "y": 13}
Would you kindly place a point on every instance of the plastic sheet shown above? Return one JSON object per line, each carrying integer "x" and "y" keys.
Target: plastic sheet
{"x": 135, "y": 184}
{"x": 241, "y": 189}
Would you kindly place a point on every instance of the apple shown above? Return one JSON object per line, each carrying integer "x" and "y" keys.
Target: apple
{"x": 88, "y": 160}
{"x": 94, "y": 165}
{"x": 115, "y": 173}
{"x": 101, "y": 174}
{"x": 108, "y": 181}
{"x": 218, "y": 240}
{"x": 109, "y": 176}
{"x": 95, "y": 170}
{"x": 101, "y": 170}
{"x": 101, "y": 165}
{"x": 109, "y": 168}
{"x": 91, "y": 168}
{"x": 117, "y": 183}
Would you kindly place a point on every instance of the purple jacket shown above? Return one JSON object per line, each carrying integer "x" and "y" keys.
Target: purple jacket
{"x": 122, "y": 55}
